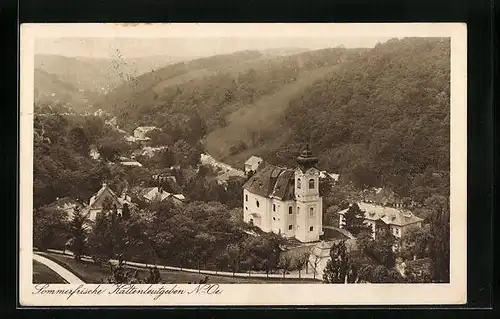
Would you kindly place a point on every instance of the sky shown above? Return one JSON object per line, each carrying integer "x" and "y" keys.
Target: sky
{"x": 188, "y": 47}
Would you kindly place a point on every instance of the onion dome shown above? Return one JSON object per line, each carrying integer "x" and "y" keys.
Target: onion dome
{"x": 306, "y": 159}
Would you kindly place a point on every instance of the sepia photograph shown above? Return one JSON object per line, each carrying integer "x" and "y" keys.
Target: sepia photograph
{"x": 161, "y": 158}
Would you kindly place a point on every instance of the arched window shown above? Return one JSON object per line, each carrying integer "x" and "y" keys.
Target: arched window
{"x": 311, "y": 212}
{"x": 290, "y": 210}
{"x": 274, "y": 207}
{"x": 257, "y": 203}
{"x": 298, "y": 183}
{"x": 311, "y": 183}
{"x": 246, "y": 197}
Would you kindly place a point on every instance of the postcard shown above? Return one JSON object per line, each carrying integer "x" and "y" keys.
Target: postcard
{"x": 244, "y": 164}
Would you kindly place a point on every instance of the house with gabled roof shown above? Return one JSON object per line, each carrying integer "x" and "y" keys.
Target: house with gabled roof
{"x": 252, "y": 164}
{"x": 65, "y": 204}
{"x": 106, "y": 195}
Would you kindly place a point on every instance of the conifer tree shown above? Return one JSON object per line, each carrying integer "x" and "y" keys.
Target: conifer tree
{"x": 338, "y": 266}
{"x": 78, "y": 231}
{"x": 354, "y": 220}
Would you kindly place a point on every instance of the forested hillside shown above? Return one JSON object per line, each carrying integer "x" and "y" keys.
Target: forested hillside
{"x": 381, "y": 120}
{"x": 214, "y": 87}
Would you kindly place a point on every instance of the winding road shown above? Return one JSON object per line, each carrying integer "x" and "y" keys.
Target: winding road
{"x": 61, "y": 271}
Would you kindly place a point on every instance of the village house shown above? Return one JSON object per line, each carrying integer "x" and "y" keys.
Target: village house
{"x": 129, "y": 162}
{"x": 106, "y": 194}
{"x": 65, "y": 204}
{"x": 157, "y": 194}
{"x": 286, "y": 201}
{"x": 140, "y": 134}
{"x": 396, "y": 219}
{"x": 252, "y": 164}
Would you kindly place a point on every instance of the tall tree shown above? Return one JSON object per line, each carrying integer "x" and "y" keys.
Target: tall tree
{"x": 354, "y": 220}
{"x": 383, "y": 248}
{"x": 78, "y": 230}
{"x": 50, "y": 229}
{"x": 100, "y": 242}
{"x": 440, "y": 232}
{"x": 337, "y": 268}
{"x": 416, "y": 242}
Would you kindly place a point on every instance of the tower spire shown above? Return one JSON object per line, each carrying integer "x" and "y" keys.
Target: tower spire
{"x": 306, "y": 159}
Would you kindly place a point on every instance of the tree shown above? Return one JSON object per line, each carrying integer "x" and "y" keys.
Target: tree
{"x": 354, "y": 220}
{"x": 285, "y": 263}
{"x": 440, "y": 240}
{"x": 383, "y": 248}
{"x": 234, "y": 257}
{"x": 337, "y": 268}
{"x": 415, "y": 242}
{"x": 50, "y": 229}
{"x": 365, "y": 241}
{"x": 100, "y": 243}
{"x": 300, "y": 261}
{"x": 78, "y": 231}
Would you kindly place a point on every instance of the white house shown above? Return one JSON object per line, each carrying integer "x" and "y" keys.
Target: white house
{"x": 252, "y": 164}
{"x": 286, "y": 201}
{"x": 396, "y": 219}
{"x": 106, "y": 194}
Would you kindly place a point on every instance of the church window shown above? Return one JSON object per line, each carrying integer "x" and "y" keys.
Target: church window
{"x": 311, "y": 228}
{"x": 290, "y": 210}
{"x": 298, "y": 183}
{"x": 257, "y": 203}
{"x": 311, "y": 183}
{"x": 290, "y": 227}
{"x": 246, "y": 197}
{"x": 274, "y": 207}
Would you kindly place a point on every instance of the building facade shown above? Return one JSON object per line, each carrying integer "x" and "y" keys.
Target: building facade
{"x": 252, "y": 164}
{"x": 286, "y": 201}
{"x": 395, "y": 219}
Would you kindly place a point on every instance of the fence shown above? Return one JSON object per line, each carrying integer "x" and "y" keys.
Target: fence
{"x": 200, "y": 271}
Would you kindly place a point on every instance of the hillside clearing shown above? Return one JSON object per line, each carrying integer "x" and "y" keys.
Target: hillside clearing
{"x": 258, "y": 119}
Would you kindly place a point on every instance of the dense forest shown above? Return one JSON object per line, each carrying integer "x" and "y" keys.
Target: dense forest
{"x": 383, "y": 119}
{"x": 214, "y": 87}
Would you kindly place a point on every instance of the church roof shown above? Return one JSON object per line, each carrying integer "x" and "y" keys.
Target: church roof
{"x": 272, "y": 181}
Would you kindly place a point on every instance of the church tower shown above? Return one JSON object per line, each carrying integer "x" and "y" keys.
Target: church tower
{"x": 309, "y": 203}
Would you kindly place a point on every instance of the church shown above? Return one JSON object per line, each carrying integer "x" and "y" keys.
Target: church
{"x": 286, "y": 201}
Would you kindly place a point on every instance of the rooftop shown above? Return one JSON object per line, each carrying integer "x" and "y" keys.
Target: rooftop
{"x": 389, "y": 215}
{"x": 254, "y": 160}
{"x": 272, "y": 181}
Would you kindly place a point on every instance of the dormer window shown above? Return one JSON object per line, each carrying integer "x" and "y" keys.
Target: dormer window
{"x": 311, "y": 183}
{"x": 298, "y": 183}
